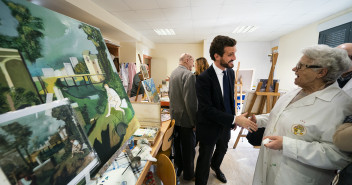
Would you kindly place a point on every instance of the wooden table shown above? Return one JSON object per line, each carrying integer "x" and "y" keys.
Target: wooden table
{"x": 155, "y": 148}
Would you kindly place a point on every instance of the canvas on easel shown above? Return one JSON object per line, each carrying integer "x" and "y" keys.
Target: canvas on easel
{"x": 150, "y": 90}
{"x": 144, "y": 71}
{"x": 247, "y": 79}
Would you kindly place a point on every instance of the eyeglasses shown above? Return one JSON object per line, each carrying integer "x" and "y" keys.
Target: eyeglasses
{"x": 299, "y": 66}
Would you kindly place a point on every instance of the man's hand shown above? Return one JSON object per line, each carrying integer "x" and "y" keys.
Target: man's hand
{"x": 275, "y": 143}
{"x": 253, "y": 118}
{"x": 246, "y": 123}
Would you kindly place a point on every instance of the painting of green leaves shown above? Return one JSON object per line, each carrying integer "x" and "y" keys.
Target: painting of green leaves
{"x": 44, "y": 144}
{"x": 66, "y": 58}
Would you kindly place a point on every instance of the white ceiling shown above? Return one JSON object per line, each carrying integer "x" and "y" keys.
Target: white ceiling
{"x": 196, "y": 20}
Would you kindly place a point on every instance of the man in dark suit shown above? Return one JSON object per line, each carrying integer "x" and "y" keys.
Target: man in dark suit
{"x": 183, "y": 108}
{"x": 216, "y": 111}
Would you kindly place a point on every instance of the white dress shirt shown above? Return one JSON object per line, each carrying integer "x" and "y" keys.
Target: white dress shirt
{"x": 220, "y": 76}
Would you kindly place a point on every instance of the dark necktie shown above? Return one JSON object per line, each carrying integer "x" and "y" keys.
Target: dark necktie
{"x": 227, "y": 99}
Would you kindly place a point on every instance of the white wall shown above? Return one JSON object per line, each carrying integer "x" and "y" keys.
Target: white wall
{"x": 251, "y": 55}
{"x": 290, "y": 52}
{"x": 165, "y": 58}
{"x": 290, "y": 47}
{"x": 254, "y": 55}
{"x": 127, "y": 52}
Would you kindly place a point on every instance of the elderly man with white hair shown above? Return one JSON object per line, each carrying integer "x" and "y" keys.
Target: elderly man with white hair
{"x": 183, "y": 107}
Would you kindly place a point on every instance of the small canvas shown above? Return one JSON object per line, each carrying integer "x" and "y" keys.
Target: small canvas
{"x": 144, "y": 71}
{"x": 272, "y": 86}
{"x": 44, "y": 144}
{"x": 247, "y": 79}
{"x": 150, "y": 90}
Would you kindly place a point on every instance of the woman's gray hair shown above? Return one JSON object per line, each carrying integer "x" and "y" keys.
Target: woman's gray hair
{"x": 334, "y": 59}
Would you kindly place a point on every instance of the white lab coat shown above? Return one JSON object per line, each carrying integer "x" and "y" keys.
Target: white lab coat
{"x": 348, "y": 85}
{"x": 310, "y": 158}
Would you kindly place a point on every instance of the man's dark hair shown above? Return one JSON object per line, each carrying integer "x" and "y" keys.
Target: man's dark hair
{"x": 218, "y": 45}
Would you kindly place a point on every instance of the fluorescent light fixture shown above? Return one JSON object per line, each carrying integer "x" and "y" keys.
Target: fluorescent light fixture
{"x": 245, "y": 29}
{"x": 165, "y": 31}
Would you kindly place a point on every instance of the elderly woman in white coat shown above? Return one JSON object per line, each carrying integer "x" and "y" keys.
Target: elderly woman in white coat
{"x": 301, "y": 124}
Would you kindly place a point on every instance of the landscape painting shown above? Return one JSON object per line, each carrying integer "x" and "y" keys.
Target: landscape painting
{"x": 150, "y": 90}
{"x": 44, "y": 144}
{"x": 17, "y": 89}
{"x": 66, "y": 58}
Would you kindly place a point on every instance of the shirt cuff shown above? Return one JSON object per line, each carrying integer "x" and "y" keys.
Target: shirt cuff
{"x": 233, "y": 125}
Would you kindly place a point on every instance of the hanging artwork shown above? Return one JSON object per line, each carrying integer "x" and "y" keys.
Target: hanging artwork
{"x": 150, "y": 90}
{"x": 66, "y": 58}
{"x": 44, "y": 144}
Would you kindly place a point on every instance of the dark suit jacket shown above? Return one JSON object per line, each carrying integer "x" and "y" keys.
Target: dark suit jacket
{"x": 212, "y": 120}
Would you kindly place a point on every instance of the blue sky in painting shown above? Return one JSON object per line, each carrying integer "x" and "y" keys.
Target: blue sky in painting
{"x": 63, "y": 38}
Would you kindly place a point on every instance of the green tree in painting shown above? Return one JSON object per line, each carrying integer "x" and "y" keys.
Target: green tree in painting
{"x": 111, "y": 78}
{"x": 3, "y": 142}
{"x": 21, "y": 134}
{"x": 63, "y": 113}
{"x": 4, "y": 107}
{"x": 9, "y": 167}
{"x": 22, "y": 98}
{"x": 73, "y": 131}
{"x": 94, "y": 35}
{"x": 101, "y": 104}
{"x": 81, "y": 68}
{"x": 29, "y": 32}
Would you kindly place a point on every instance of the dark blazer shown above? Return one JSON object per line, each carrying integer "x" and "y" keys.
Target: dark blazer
{"x": 212, "y": 119}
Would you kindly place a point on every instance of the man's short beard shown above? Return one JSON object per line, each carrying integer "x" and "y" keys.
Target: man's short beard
{"x": 226, "y": 65}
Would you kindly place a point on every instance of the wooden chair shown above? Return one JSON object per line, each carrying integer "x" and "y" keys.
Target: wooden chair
{"x": 167, "y": 140}
{"x": 165, "y": 170}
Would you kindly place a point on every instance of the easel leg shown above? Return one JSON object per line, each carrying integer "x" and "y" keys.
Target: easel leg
{"x": 238, "y": 138}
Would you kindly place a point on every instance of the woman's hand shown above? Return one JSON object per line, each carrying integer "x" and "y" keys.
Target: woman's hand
{"x": 253, "y": 118}
{"x": 246, "y": 123}
{"x": 275, "y": 142}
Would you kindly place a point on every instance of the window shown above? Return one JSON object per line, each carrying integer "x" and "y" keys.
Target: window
{"x": 337, "y": 35}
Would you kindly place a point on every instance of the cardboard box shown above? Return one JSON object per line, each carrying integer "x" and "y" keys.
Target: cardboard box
{"x": 149, "y": 117}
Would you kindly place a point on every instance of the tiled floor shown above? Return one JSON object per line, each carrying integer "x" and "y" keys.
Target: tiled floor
{"x": 238, "y": 164}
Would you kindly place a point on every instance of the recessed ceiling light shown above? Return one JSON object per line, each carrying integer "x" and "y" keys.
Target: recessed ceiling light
{"x": 245, "y": 29}
{"x": 165, "y": 31}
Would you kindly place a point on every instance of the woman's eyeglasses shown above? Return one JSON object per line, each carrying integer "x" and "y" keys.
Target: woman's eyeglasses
{"x": 299, "y": 66}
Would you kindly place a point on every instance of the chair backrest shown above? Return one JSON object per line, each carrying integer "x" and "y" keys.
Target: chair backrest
{"x": 165, "y": 170}
{"x": 168, "y": 137}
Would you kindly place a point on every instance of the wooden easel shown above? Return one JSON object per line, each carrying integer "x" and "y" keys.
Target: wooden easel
{"x": 141, "y": 78}
{"x": 139, "y": 85}
{"x": 266, "y": 96}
